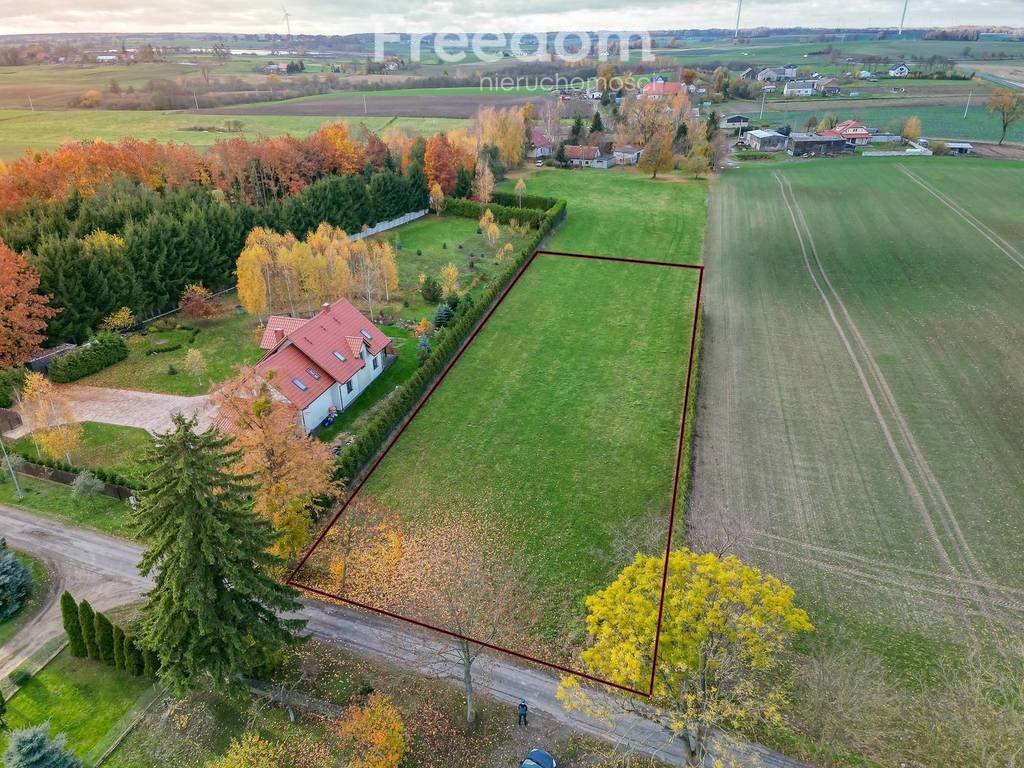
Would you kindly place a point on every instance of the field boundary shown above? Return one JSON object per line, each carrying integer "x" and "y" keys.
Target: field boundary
{"x": 292, "y": 579}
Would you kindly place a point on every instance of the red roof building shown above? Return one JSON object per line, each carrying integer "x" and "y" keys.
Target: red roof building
{"x": 659, "y": 89}
{"x": 322, "y": 364}
{"x": 851, "y": 131}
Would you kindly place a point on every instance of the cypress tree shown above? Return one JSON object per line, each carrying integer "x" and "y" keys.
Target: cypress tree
{"x": 104, "y": 638}
{"x": 87, "y": 621}
{"x": 132, "y": 656}
{"x": 119, "y": 648}
{"x": 33, "y": 748}
{"x": 214, "y": 610}
{"x": 150, "y": 665}
{"x": 69, "y": 613}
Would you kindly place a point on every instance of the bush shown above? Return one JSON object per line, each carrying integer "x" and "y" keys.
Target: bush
{"x": 87, "y": 484}
{"x": 162, "y": 349}
{"x": 10, "y": 380}
{"x": 102, "y": 352}
{"x": 20, "y": 676}
{"x": 431, "y": 290}
{"x": 15, "y": 582}
{"x": 33, "y": 748}
{"x": 503, "y": 214}
{"x": 171, "y": 370}
{"x": 529, "y": 201}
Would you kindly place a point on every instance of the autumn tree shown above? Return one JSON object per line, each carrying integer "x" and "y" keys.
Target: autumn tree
{"x": 365, "y": 549}
{"x": 657, "y": 155}
{"x": 119, "y": 320}
{"x": 257, "y": 269}
{"x": 373, "y": 735}
{"x": 726, "y": 634}
{"x": 912, "y": 128}
{"x": 195, "y": 364}
{"x": 250, "y": 751}
{"x": 23, "y": 311}
{"x": 327, "y": 276}
{"x": 437, "y": 198}
{"x": 483, "y": 184}
{"x": 1009, "y": 105}
{"x": 55, "y": 430}
{"x": 441, "y": 163}
{"x": 520, "y": 191}
{"x": 198, "y": 303}
{"x": 214, "y": 611}
{"x": 449, "y": 279}
{"x": 288, "y": 469}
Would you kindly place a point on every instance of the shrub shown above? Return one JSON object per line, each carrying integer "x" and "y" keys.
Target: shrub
{"x": 162, "y": 349}
{"x": 171, "y": 370}
{"x": 20, "y": 676}
{"x": 503, "y": 214}
{"x": 10, "y": 380}
{"x": 431, "y": 290}
{"x": 15, "y": 582}
{"x": 87, "y": 484}
{"x": 33, "y": 748}
{"x": 102, "y": 352}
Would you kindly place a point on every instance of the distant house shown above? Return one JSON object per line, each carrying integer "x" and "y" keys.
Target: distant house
{"x": 899, "y": 70}
{"x": 765, "y": 141}
{"x": 960, "y": 147}
{"x": 580, "y": 155}
{"x": 851, "y": 132}
{"x": 107, "y": 58}
{"x": 814, "y": 144}
{"x": 789, "y": 70}
{"x": 541, "y": 144}
{"x": 748, "y": 74}
{"x": 799, "y": 88}
{"x": 828, "y": 86}
{"x": 769, "y": 88}
{"x": 771, "y": 74}
{"x": 322, "y": 364}
{"x": 734, "y": 122}
{"x": 627, "y": 155}
{"x": 659, "y": 89}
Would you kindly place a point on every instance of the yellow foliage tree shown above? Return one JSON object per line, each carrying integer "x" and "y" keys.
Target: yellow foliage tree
{"x": 374, "y": 734}
{"x": 912, "y": 128}
{"x": 520, "y": 191}
{"x": 55, "y": 431}
{"x": 437, "y": 198}
{"x": 329, "y": 275}
{"x": 726, "y": 631}
{"x": 119, "y": 320}
{"x": 449, "y": 279}
{"x": 250, "y": 751}
{"x": 483, "y": 184}
{"x": 195, "y": 364}
{"x": 658, "y": 155}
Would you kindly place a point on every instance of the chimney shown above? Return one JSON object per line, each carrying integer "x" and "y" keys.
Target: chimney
{"x": 278, "y": 335}
{"x": 325, "y": 306}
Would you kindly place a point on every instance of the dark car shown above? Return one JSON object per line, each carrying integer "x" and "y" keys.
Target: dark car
{"x": 538, "y": 758}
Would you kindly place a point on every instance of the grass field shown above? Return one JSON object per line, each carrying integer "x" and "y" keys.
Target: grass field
{"x": 103, "y": 446}
{"x": 48, "y": 498}
{"x": 79, "y": 697}
{"x": 886, "y": 435}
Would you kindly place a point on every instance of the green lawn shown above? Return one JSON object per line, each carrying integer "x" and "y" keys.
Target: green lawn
{"x": 100, "y": 512}
{"x": 103, "y": 446}
{"x": 225, "y": 343}
{"x": 620, "y": 212}
{"x": 560, "y": 422}
{"x": 80, "y": 697}
{"x": 40, "y": 582}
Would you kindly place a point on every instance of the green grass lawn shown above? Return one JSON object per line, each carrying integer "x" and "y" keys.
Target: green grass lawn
{"x": 45, "y": 497}
{"x": 79, "y": 697}
{"x": 225, "y": 343}
{"x": 103, "y": 446}
{"x": 40, "y": 583}
{"x": 620, "y": 212}
{"x": 560, "y": 422}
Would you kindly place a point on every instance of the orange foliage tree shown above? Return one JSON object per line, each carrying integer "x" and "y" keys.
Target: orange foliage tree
{"x": 373, "y": 735}
{"x": 23, "y": 312}
{"x": 441, "y": 163}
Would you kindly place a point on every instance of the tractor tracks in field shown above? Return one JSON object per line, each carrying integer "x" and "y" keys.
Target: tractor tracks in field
{"x": 923, "y": 488}
{"x": 1008, "y": 249}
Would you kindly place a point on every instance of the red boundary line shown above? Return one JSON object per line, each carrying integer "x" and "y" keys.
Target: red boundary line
{"x": 423, "y": 401}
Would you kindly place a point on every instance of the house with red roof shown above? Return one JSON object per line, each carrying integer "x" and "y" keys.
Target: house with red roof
{"x": 660, "y": 89}
{"x": 586, "y": 156}
{"x": 321, "y": 365}
{"x": 853, "y": 132}
{"x": 541, "y": 144}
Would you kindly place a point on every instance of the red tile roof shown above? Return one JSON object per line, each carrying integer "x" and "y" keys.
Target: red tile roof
{"x": 580, "y": 152}
{"x": 281, "y": 323}
{"x": 661, "y": 88}
{"x": 310, "y": 351}
{"x": 539, "y": 138}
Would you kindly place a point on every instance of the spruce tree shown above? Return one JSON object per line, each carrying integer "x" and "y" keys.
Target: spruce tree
{"x": 463, "y": 183}
{"x": 214, "y": 610}
{"x": 87, "y": 621}
{"x": 119, "y": 648}
{"x": 33, "y": 748}
{"x": 15, "y": 582}
{"x": 104, "y": 638}
{"x": 69, "y": 613}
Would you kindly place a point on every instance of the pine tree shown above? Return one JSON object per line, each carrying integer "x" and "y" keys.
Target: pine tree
{"x": 69, "y": 613}
{"x": 33, "y": 748}
{"x": 214, "y": 610}
{"x": 15, "y": 582}
{"x": 596, "y": 124}
{"x": 87, "y": 621}
{"x": 119, "y": 662}
{"x": 104, "y": 638}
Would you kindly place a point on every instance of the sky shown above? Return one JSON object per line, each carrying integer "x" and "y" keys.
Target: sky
{"x": 349, "y": 16}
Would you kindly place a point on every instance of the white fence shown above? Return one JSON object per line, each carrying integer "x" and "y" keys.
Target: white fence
{"x": 390, "y": 224}
{"x": 915, "y": 150}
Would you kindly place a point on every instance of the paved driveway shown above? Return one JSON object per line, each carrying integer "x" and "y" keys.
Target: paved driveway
{"x": 128, "y": 408}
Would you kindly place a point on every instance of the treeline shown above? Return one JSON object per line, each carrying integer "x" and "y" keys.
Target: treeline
{"x": 130, "y": 246}
{"x": 92, "y": 634}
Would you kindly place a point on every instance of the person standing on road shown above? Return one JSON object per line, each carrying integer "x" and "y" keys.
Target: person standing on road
{"x": 523, "y": 710}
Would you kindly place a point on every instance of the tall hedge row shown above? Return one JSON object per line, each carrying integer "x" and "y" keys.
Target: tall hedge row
{"x": 102, "y": 352}
{"x": 503, "y": 214}
{"x": 372, "y": 437}
{"x": 529, "y": 201}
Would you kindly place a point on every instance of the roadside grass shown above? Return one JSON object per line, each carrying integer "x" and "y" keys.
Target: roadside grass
{"x": 225, "y": 343}
{"x": 621, "y": 212}
{"x": 99, "y": 512}
{"x": 103, "y": 446}
{"x": 400, "y": 371}
{"x": 559, "y": 422}
{"x": 40, "y": 585}
{"x": 80, "y": 697}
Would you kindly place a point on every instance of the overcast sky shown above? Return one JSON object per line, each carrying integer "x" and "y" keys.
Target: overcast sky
{"x": 347, "y": 16}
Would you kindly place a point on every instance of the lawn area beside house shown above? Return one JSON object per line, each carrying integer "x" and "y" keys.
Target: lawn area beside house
{"x": 225, "y": 343}
{"x": 80, "y": 697}
{"x": 103, "y": 513}
{"x": 40, "y": 584}
{"x": 103, "y": 446}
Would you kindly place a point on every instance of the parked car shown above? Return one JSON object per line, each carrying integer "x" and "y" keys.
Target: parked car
{"x": 539, "y": 163}
{"x": 538, "y": 758}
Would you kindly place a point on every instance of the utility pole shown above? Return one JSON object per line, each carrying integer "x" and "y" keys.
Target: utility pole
{"x": 968, "y": 104}
{"x": 14, "y": 475}
{"x": 739, "y": 7}
{"x": 903, "y": 16}
{"x": 763, "y": 97}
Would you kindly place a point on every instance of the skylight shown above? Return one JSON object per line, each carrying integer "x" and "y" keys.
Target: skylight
{"x": 314, "y": 374}
{"x": 340, "y": 356}
{"x": 300, "y": 384}
{"x": 366, "y": 334}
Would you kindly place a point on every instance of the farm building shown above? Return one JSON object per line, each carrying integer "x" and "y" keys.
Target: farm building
{"x": 627, "y": 155}
{"x": 734, "y": 122}
{"x": 659, "y": 89}
{"x": 960, "y": 148}
{"x": 765, "y": 141}
{"x": 771, "y": 74}
{"x": 799, "y": 88}
{"x": 828, "y": 86}
{"x": 814, "y": 144}
{"x": 322, "y": 364}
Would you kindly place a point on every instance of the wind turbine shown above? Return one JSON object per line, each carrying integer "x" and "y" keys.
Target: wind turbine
{"x": 739, "y": 7}
{"x": 903, "y": 16}
{"x": 287, "y": 20}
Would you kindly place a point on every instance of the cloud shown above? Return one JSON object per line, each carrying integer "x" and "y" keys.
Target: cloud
{"x": 348, "y": 16}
